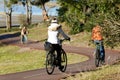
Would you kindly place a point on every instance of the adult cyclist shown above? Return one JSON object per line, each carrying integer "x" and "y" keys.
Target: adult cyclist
{"x": 54, "y": 30}
{"x": 98, "y": 38}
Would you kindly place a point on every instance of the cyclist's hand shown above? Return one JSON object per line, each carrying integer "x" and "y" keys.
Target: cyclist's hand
{"x": 92, "y": 41}
{"x": 68, "y": 39}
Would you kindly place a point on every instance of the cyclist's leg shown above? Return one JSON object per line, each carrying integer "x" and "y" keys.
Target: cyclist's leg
{"x": 96, "y": 42}
{"x": 103, "y": 58}
{"x": 97, "y": 59}
{"x": 99, "y": 43}
{"x": 58, "y": 49}
{"x": 102, "y": 51}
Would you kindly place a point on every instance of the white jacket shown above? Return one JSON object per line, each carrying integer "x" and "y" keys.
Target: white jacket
{"x": 53, "y": 33}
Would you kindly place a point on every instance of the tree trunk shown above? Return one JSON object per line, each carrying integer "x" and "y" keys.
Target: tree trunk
{"x": 27, "y": 14}
{"x": 44, "y": 13}
{"x": 30, "y": 13}
{"x": 8, "y": 20}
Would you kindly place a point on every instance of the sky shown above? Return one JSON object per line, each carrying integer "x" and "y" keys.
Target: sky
{"x": 20, "y": 9}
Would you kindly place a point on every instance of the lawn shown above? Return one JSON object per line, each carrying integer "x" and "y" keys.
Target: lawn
{"x": 15, "y": 59}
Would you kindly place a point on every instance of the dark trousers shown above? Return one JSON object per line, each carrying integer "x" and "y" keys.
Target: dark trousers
{"x": 57, "y": 48}
{"x": 102, "y": 50}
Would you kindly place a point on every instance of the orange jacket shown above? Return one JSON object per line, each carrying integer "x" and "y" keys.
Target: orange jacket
{"x": 96, "y": 33}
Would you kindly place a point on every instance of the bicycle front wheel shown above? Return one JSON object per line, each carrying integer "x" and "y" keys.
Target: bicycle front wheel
{"x": 50, "y": 59}
{"x": 63, "y": 60}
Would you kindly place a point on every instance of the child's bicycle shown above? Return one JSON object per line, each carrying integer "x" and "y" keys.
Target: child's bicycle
{"x": 52, "y": 62}
{"x": 98, "y": 59}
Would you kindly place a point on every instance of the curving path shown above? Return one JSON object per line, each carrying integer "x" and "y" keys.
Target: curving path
{"x": 40, "y": 74}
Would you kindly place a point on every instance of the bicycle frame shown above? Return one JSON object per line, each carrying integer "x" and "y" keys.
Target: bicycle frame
{"x": 51, "y": 60}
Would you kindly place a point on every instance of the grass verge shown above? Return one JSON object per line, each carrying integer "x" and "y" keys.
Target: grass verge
{"x": 15, "y": 59}
{"x": 13, "y": 29}
{"x": 103, "y": 73}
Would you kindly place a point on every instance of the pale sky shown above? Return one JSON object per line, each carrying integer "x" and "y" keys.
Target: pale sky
{"x": 19, "y": 9}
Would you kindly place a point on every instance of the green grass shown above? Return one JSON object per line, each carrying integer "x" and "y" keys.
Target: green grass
{"x": 38, "y": 33}
{"x": 13, "y": 29}
{"x": 104, "y": 73}
{"x": 15, "y": 59}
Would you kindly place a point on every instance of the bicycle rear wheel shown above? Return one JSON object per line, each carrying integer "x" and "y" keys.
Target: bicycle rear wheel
{"x": 63, "y": 60}
{"x": 97, "y": 58}
{"x": 50, "y": 59}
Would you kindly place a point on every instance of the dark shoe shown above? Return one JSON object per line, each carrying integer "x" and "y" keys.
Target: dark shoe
{"x": 61, "y": 67}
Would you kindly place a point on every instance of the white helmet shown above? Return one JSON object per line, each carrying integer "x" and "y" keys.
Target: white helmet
{"x": 54, "y": 20}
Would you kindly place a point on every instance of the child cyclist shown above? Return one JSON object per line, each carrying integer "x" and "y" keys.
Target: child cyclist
{"x": 98, "y": 38}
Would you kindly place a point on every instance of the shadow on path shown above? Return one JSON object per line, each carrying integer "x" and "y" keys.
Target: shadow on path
{"x": 11, "y": 35}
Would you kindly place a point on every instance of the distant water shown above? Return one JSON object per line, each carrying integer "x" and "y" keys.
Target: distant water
{"x": 20, "y": 9}
{"x": 16, "y": 21}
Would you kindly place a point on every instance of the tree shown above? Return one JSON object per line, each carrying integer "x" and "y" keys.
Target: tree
{"x": 8, "y": 4}
{"x": 86, "y": 13}
{"x": 42, "y": 3}
{"x": 27, "y": 4}
{"x": 71, "y": 12}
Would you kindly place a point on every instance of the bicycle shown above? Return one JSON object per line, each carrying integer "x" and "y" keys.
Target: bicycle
{"x": 98, "y": 57}
{"x": 52, "y": 62}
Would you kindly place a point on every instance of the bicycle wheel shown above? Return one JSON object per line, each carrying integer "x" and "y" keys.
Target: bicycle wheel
{"x": 50, "y": 58}
{"x": 97, "y": 58}
{"x": 63, "y": 60}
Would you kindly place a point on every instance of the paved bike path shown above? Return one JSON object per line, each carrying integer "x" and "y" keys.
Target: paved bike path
{"x": 40, "y": 74}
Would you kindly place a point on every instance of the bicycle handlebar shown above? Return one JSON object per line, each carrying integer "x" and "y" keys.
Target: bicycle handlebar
{"x": 61, "y": 40}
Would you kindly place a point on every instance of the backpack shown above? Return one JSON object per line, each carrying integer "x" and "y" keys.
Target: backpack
{"x": 47, "y": 46}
